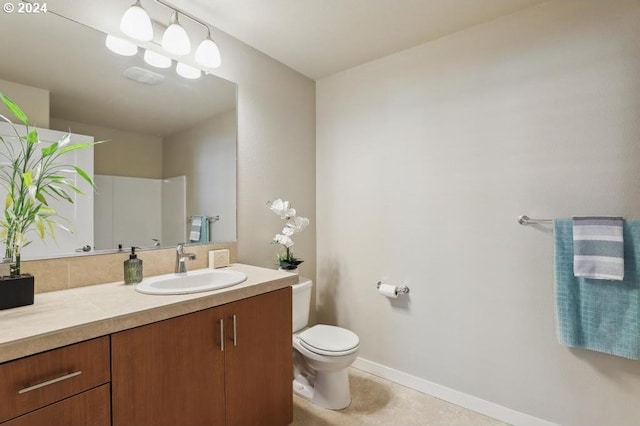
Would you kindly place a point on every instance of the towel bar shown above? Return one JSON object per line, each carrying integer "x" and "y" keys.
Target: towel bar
{"x": 526, "y": 220}
{"x": 209, "y": 218}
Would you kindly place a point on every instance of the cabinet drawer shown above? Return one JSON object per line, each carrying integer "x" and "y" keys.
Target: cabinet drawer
{"x": 30, "y": 383}
{"x": 90, "y": 408}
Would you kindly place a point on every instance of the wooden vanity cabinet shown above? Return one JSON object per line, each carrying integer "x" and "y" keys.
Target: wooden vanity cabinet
{"x": 65, "y": 386}
{"x": 230, "y": 365}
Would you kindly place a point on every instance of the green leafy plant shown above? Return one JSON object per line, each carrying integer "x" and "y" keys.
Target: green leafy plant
{"x": 33, "y": 174}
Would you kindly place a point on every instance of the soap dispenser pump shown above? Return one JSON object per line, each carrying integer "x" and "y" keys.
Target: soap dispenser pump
{"x": 133, "y": 268}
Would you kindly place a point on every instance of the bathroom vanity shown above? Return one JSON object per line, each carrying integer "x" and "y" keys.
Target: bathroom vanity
{"x": 124, "y": 358}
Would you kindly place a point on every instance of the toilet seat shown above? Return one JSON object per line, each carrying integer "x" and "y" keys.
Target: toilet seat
{"x": 329, "y": 340}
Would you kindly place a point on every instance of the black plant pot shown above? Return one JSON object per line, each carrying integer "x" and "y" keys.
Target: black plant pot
{"x": 16, "y": 291}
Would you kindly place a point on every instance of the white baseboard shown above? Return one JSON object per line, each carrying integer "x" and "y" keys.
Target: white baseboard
{"x": 461, "y": 399}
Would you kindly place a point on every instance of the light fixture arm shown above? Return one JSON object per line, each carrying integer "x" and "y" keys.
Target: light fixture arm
{"x": 174, "y": 18}
{"x": 182, "y": 12}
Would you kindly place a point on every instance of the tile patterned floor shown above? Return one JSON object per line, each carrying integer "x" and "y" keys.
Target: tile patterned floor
{"x": 375, "y": 401}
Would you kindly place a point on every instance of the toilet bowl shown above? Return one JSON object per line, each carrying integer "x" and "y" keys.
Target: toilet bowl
{"x": 322, "y": 355}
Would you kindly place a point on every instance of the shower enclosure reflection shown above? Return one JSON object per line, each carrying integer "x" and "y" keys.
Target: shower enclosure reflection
{"x": 139, "y": 212}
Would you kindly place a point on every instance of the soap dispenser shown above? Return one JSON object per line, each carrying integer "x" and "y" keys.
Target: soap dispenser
{"x": 133, "y": 268}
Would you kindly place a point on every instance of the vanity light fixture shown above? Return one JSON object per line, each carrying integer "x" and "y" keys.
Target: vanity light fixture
{"x": 187, "y": 71}
{"x": 208, "y": 54}
{"x": 157, "y": 60}
{"x": 121, "y": 46}
{"x": 175, "y": 39}
{"x": 136, "y": 23}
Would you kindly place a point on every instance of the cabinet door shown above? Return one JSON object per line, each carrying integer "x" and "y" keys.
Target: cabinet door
{"x": 90, "y": 408}
{"x": 170, "y": 372}
{"x": 259, "y": 365}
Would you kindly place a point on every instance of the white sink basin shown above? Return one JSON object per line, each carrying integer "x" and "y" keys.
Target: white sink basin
{"x": 194, "y": 282}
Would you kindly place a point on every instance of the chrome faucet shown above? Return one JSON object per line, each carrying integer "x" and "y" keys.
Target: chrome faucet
{"x": 181, "y": 257}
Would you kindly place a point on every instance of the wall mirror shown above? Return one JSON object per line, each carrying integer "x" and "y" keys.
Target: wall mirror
{"x": 171, "y": 140}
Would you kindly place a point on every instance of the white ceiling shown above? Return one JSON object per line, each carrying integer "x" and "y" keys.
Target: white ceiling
{"x": 321, "y": 37}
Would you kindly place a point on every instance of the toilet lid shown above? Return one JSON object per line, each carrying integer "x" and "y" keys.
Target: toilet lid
{"x": 329, "y": 340}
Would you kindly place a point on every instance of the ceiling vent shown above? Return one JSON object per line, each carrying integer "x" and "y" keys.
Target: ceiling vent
{"x": 143, "y": 76}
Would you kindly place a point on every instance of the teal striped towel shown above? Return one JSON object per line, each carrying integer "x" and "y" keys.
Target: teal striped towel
{"x": 598, "y": 249}
{"x": 595, "y": 314}
{"x": 196, "y": 229}
{"x": 199, "y": 232}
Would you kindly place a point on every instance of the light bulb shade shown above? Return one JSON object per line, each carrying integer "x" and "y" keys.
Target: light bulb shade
{"x": 120, "y": 46}
{"x": 136, "y": 23}
{"x": 157, "y": 60}
{"x": 208, "y": 54}
{"x": 175, "y": 39}
{"x": 187, "y": 71}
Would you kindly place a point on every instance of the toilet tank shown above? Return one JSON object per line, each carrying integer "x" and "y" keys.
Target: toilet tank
{"x": 301, "y": 303}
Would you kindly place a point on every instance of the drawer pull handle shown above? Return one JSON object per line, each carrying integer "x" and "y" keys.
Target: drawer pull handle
{"x": 49, "y": 382}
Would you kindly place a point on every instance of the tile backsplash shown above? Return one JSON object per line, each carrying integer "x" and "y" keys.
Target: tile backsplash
{"x": 84, "y": 270}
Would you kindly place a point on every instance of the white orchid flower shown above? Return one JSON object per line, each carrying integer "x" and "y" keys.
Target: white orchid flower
{"x": 282, "y": 209}
{"x": 287, "y": 231}
{"x": 298, "y": 223}
{"x": 285, "y": 240}
{"x": 292, "y": 225}
{"x": 278, "y": 206}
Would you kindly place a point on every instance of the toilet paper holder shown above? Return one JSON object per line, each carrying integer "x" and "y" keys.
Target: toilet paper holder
{"x": 399, "y": 289}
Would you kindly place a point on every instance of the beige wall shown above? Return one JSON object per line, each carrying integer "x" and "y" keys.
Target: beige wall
{"x": 32, "y": 100}
{"x": 124, "y": 153}
{"x": 424, "y": 161}
{"x": 276, "y": 149}
{"x": 206, "y": 155}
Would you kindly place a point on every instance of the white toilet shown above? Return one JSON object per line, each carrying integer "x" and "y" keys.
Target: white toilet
{"x": 321, "y": 355}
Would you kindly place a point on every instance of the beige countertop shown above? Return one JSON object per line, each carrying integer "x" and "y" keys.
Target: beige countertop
{"x": 60, "y": 318}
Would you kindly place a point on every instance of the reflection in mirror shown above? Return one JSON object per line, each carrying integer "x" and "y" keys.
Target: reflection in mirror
{"x": 171, "y": 150}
